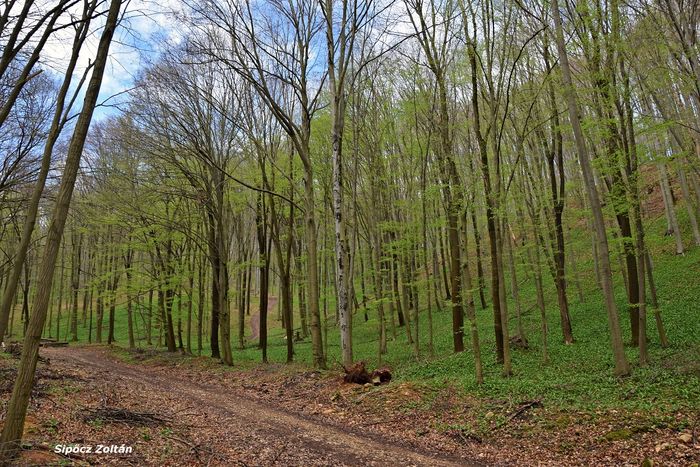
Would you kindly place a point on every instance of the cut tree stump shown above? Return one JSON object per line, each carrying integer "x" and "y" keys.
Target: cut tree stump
{"x": 357, "y": 373}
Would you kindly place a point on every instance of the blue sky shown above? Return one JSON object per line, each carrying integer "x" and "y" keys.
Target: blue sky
{"x": 146, "y": 26}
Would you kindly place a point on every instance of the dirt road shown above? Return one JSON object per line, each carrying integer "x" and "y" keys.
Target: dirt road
{"x": 232, "y": 429}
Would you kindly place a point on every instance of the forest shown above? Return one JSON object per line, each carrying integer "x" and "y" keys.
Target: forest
{"x": 350, "y": 232}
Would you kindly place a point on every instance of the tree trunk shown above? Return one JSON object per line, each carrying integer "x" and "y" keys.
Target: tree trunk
{"x": 497, "y": 288}
{"x": 514, "y": 287}
{"x": 241, "y": 306}
{"x": 557, "y": 187}
{"x": 312, "y": 282}
{"x": 479, "y": 262}
{"x": 190, "y": 300}
{"x": 621, "y": 365}
{"x": 669, "y": 208}
{"x": 537, "y": 266}
{"x": 215, "y": 265}
{"x": 17, "y": 406}
{"x": 201, "y": 280}
{"x": 663, "y": 338}
{"x": 60, "y": 290}
{"x": 261, "y": 227}
{"x": 471, "y": 309}
{"x": 683, "y": 182}
{"x": 33, "y": 206}
{"x": 129, "y": 312}
{"x": 169, "y": 330}
{"x": 75, "y": 284}
{"x": 149, "y": 318}
{"x": 113, "y": 297}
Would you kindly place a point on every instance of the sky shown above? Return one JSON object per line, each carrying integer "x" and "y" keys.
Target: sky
{"x": 145, "y": 28}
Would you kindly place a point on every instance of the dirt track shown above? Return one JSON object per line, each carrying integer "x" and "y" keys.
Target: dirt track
{"x": 241, "y": 431}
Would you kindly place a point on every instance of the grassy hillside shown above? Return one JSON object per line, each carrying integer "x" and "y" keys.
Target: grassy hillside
{"x": 577, "y": 376}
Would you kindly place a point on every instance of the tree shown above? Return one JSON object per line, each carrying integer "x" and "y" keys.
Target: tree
{"x": 60, "y": 116}
{"x": 17, "y": 406}
{"x": 275, "y": 59}
{"x": 621, "y": 365}
{"x": 433, "y": 29}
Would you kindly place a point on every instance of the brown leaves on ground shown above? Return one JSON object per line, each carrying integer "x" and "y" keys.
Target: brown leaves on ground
{"x": 123, "y": 416}
{"x": 445, "y": 419}
{"x": 424, "y": 418}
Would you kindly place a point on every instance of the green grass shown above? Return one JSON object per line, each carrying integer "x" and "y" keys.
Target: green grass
{"x": 577, "y": 377}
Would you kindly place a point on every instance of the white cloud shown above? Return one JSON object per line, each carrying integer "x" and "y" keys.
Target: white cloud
{"x": 146, "y": 27}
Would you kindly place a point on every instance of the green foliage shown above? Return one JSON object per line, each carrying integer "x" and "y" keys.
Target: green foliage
{"x": 51, "y": 425}
{"x": 146, "y": 435}
{"x": 577, "y": 377}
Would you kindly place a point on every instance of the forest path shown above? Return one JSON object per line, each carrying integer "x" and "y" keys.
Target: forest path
{"x": 244, "y": 431}
{"x": 255, "y": 318}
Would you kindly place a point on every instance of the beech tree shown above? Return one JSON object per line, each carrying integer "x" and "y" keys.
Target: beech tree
{"x": 17, "y": 407}
{"x": 58, "y": 121}
{"x": 621, "y": 365}
{"x": 276, "y": 60}
{"x": 299, "y": 169}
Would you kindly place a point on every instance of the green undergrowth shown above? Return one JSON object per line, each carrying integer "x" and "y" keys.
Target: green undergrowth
{"x": 577, "y": 377}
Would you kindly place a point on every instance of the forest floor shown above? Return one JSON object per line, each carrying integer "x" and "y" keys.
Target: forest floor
{"x": 176, "y": 409}
{"x": 192, "y": 411}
